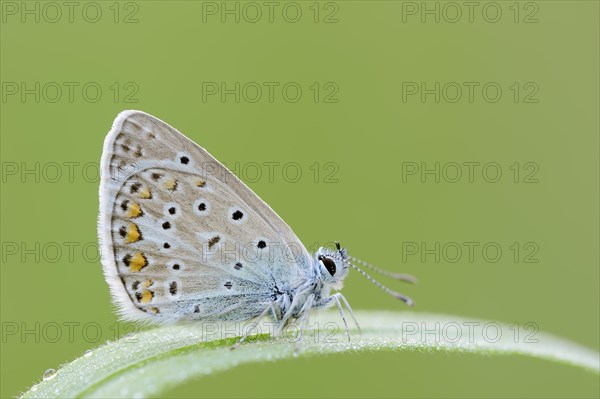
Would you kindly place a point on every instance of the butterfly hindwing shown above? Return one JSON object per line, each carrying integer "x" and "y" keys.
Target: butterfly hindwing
{"x": 182, "y": 238}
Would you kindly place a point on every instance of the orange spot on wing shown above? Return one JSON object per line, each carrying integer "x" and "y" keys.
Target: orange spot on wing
{"x": 134, "y": 210}
{"x": 133, "y": 233}
{"x": 145, "y": 194}
{"x": 147, "y": 296}
{"x": 171, "y": 184}
{"x": 137, "y": 262}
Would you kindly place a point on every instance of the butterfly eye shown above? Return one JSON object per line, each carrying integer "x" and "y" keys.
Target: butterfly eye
{"x": 328, "y": 263}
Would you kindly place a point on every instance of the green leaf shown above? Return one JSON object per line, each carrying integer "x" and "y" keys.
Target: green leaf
{"x": 152, "y": 361}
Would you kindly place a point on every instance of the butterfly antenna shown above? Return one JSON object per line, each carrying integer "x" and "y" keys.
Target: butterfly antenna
{"x": 395, "y": 294}
{"x": 397, "y": 276}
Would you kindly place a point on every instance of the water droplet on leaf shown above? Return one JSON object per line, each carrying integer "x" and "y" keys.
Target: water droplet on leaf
{"x": 49, "y": 374}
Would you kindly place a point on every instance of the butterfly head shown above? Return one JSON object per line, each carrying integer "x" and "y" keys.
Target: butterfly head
{"x": 332, "y": 265}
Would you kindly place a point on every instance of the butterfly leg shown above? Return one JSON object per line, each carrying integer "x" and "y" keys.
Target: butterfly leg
{"x": 339, "y": 298}
{"x": 288, "y": 314}
{"x": 343, "y": 298}
{"x": 258, "y": 319}
{"x": 305, "y": 311}
{"x": 303, "y": 321}
{"x": 276, "y": 311}
{"x": 339, "y": 305}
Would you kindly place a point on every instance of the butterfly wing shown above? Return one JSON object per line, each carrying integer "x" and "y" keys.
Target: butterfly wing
{"x": 182, "y": 238}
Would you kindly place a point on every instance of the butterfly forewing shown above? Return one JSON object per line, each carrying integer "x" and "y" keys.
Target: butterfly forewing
{"x": 182, "y": 238}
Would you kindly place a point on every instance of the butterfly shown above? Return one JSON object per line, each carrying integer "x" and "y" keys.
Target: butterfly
{"x": 183, "y": 239}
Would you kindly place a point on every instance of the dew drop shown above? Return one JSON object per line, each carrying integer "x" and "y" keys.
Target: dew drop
{"x": 88, "y": 353}
{"x": 49, "y": 374}
{"x": 33, "y": 388}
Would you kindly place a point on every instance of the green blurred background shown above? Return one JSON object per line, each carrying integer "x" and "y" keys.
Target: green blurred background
{"x": 352, "y": 61}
